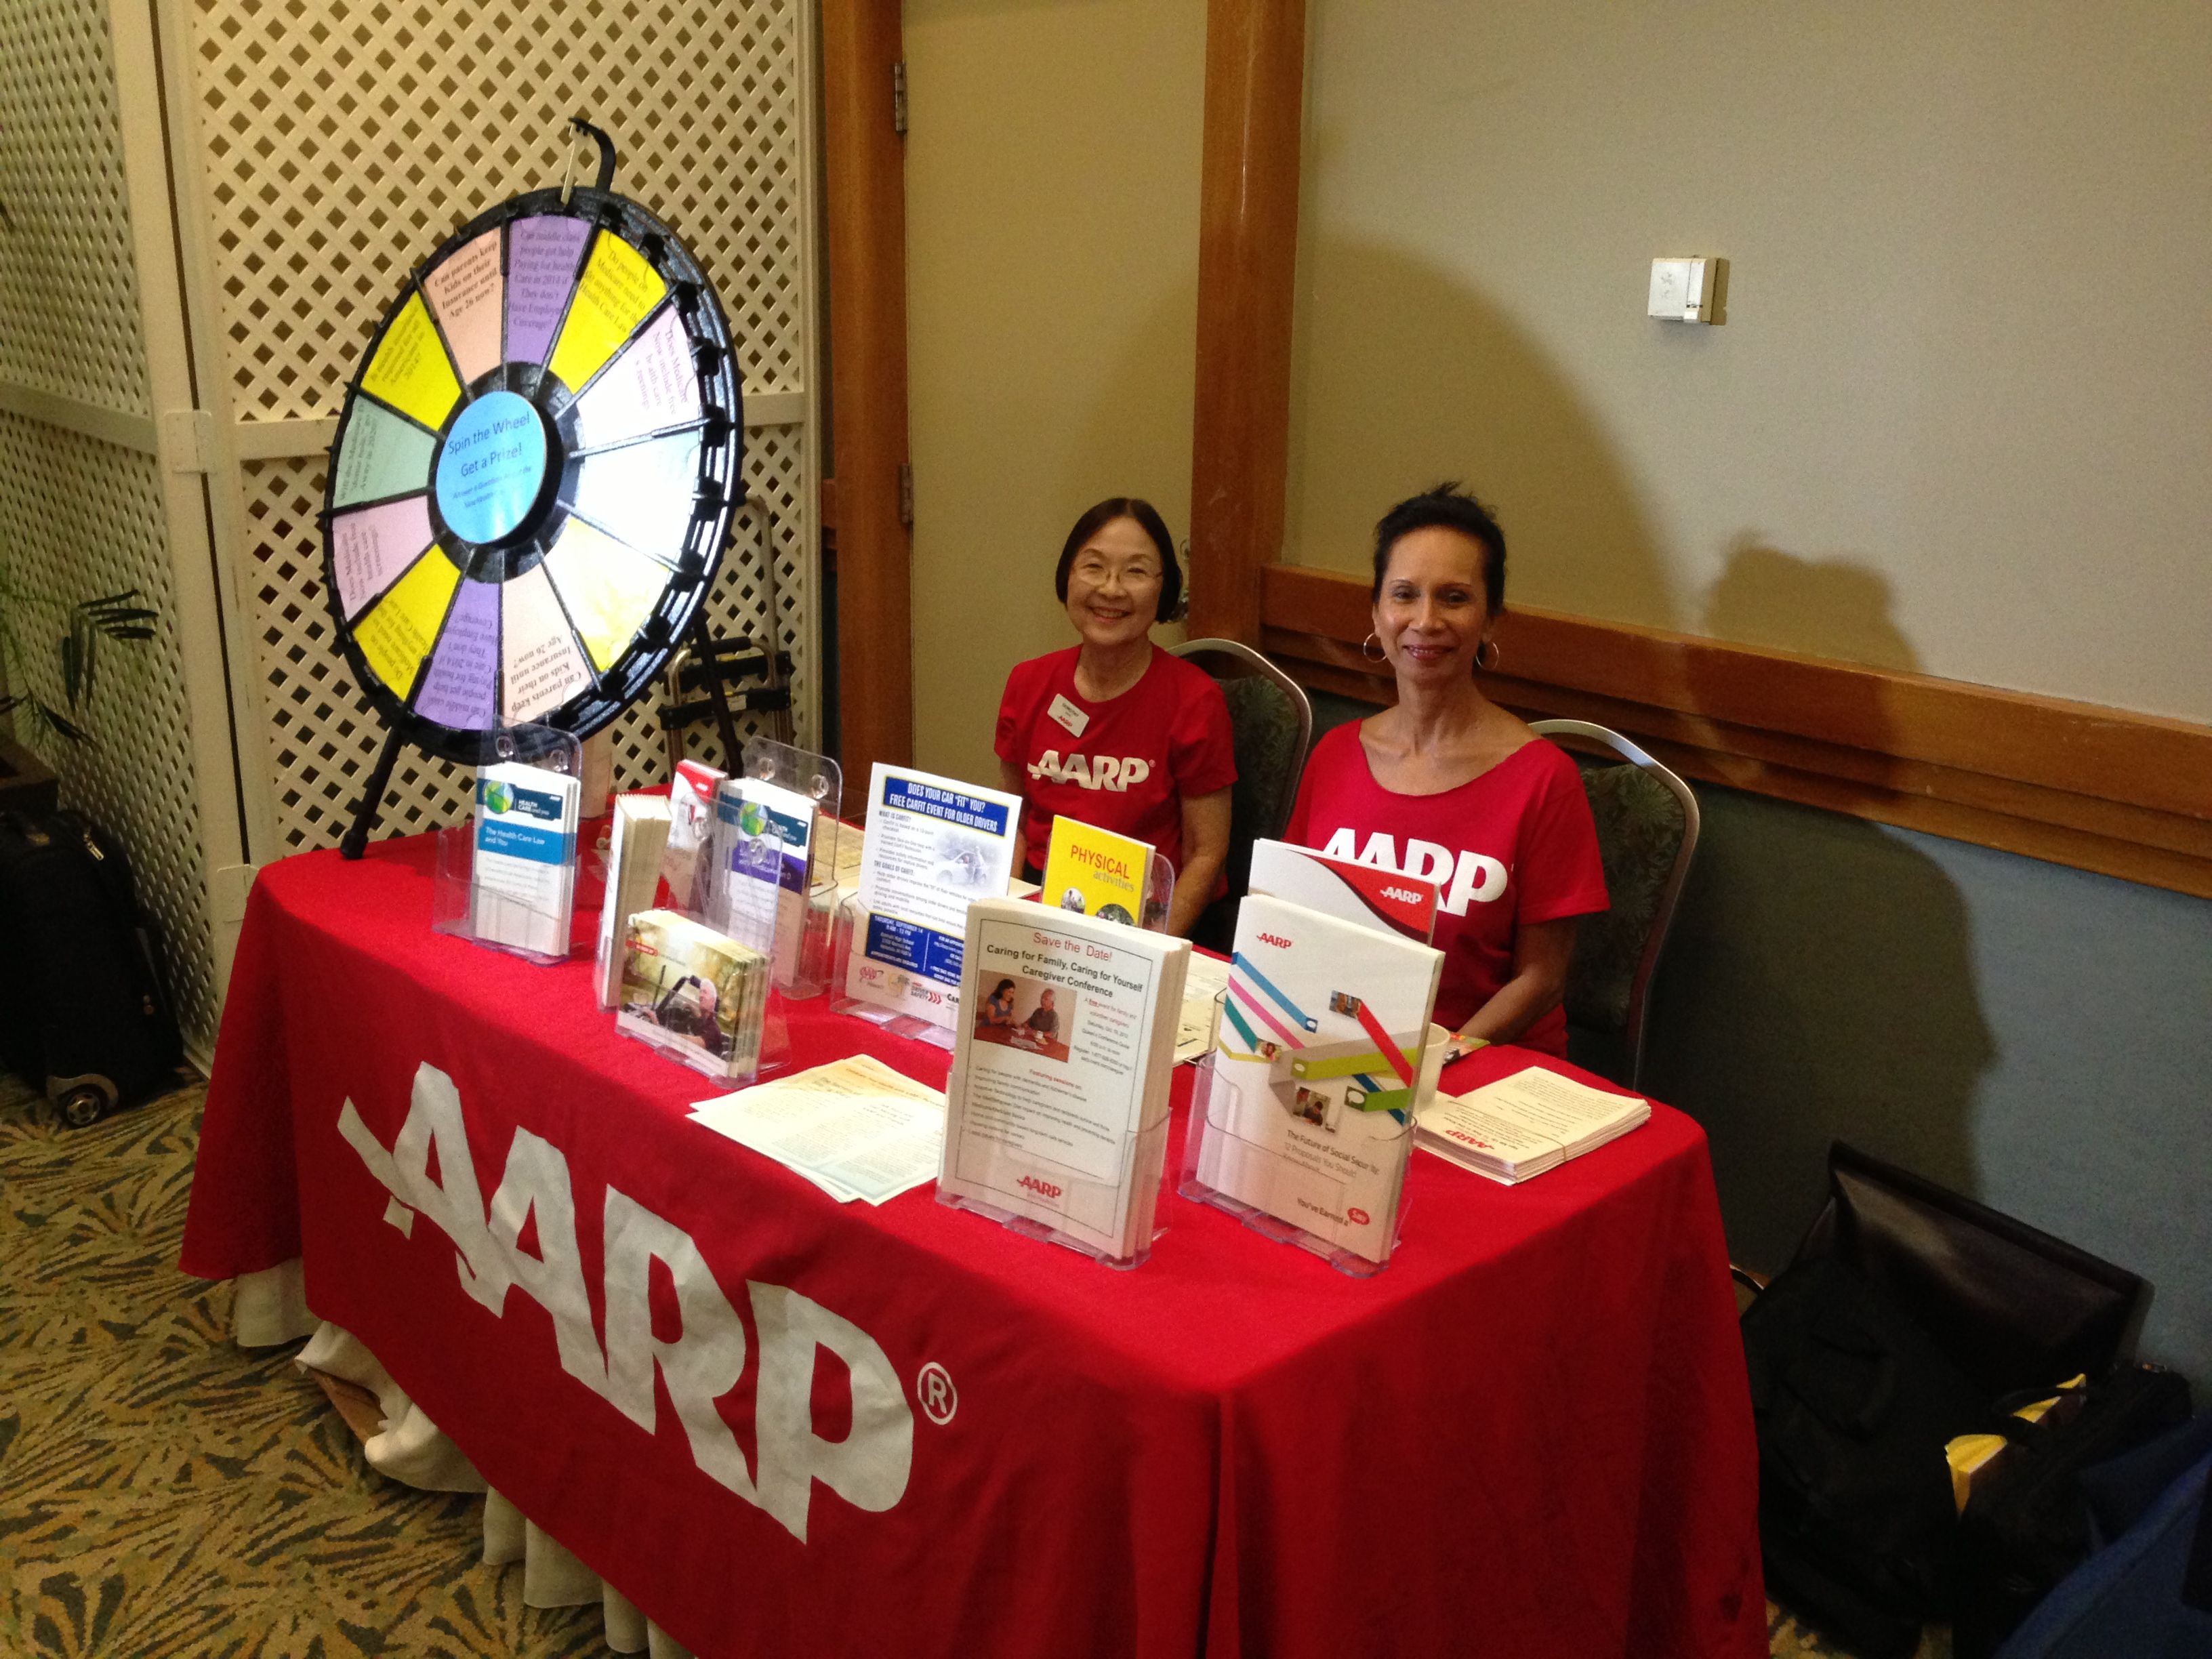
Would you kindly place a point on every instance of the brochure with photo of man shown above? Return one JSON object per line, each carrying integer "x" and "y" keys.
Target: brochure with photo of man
{"x": 1057, "y": 1106}
{"x": 934, "y": 846}
{"x": 1324, "y": 1053}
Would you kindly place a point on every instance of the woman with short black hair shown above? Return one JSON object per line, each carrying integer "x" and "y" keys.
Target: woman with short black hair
{"x": 1115, "y": 731}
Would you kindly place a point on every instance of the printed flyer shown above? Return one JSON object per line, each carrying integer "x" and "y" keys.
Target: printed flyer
{"x": 764, "y": 838}
{"x": 523, "y": 879}
{"x": 934, "y": 847}
{"x": 1095, "y": 872}
{"x": 1058, "y": 1100}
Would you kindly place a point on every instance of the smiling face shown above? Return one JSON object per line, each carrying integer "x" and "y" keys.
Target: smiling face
{"x": 1433, "y": 615}
{"x": 1114, "y": 584}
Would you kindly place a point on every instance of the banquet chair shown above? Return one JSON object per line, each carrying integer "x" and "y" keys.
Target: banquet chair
{"x": 1273, "y": 726}
{"x": 1647, "y": 832}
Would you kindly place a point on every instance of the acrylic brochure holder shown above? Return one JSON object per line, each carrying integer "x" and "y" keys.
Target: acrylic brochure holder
{"x": 1031, "y": 1179}
{"x": 904, "y": 1001}
{"x": 1234, "y": 1172}
{"x": 703, "y": 999}
{"x": 822, "y": 782}
{"x": 507, "y": 877}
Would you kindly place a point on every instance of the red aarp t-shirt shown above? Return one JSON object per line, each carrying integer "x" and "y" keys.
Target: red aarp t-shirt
{"x": 1124, "y": 765}
{"x": 1515, "y": 844}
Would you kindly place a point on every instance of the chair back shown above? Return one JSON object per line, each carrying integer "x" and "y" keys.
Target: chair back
{"x": 1272, "y": 723}
{"x": 1647, "y": 832}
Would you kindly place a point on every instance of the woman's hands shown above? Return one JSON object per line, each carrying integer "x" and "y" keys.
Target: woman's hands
{"x": 1541, "y": 952}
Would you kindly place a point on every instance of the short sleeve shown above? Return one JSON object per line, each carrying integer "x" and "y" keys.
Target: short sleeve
{"x": 1202, "y": 747}
{"x": 1016, "y": 706}
{"x": 1561, "y": 873}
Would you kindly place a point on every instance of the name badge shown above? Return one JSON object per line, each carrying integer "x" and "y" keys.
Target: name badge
{"x": 1068, "y": 715}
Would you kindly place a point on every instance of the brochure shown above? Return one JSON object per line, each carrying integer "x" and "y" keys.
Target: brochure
{"x": 1058, "y": 1100}
{"x": 690, "y": 833}
{"x": 1324, "y": 1053}
{"x": 698, "y": 994}
{"x": 636, "y": 836}
{"x": 934, "y": 847}
{"x": 522, "y": 878}
{"x": 1095, "y": 872}
{"x": 762, "y": 843}
{"x": 1358, "y": 893}
{"x": 1523, "y": 1125}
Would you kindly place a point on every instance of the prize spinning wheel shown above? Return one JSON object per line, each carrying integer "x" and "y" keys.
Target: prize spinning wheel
{"x": 534, "y": 476}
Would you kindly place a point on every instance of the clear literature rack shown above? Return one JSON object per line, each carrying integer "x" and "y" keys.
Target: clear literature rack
{"x": 1086, "y": 1203}
{"x": 507, "y": 877}
{"x": 804, "y": 969}
{"x": 703, "y": 998}
{"x": 1264, "y": 1182}
{"x": 902, "y": 998}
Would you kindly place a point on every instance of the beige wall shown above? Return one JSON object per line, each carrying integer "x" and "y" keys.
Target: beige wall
{"x": 1959, "y": 416}
{"x": 1051, "y": 259}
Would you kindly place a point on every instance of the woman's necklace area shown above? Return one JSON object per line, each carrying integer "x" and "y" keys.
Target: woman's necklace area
{"x": 1095, "y": 684}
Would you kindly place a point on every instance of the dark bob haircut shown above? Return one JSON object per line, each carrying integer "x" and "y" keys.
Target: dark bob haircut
{"x": 1447, "y": 507}
{"x": 1148, "y": 517}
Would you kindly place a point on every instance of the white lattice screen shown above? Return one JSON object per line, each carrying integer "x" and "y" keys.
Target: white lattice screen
{"x": 81, "y": 517}
{"x": 69, "y": 297}
{"x": 344, "y": 142}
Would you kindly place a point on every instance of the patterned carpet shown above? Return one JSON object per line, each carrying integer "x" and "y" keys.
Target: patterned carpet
{"x": 165, "y": 1492}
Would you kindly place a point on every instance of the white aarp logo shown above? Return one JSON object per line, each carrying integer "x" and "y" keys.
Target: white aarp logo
{"x": 704, "y": 1361}
{"x": 933, "y": 1386}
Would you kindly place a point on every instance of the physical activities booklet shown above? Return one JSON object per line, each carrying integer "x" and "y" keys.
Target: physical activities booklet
{"x": 698, "y": 994}
{"x": 1057, "y": 1106}
{"x": 1324, "y": 1052}
{"x": 1096, "y": 873}
{"x": 522, "y": 880}
{"x": 934, "y": 847}
{"x": 636, "y": 836}
{"x": 763, "y": 842}
{"x": 1523, "y": 1125}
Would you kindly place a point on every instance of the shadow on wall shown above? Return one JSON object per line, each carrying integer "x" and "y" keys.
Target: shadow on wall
{"x": 1819, "y": 983}
{"x": 1401, "y": 376}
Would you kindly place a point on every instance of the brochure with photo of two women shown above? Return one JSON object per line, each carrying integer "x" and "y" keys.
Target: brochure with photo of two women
{"x": 1057, "y": 1106}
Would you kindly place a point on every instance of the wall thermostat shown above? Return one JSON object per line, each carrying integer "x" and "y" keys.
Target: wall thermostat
{"x": 1686, "y": 290}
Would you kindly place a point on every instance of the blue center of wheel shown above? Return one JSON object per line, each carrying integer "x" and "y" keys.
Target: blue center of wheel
{"x": 491, "y": 467}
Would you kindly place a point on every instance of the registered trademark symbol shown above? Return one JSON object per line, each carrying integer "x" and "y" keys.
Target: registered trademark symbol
{"x": 932, "y": 1386}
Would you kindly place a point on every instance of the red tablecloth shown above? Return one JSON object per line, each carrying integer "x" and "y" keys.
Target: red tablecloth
{"x": 1530, "y": 1435}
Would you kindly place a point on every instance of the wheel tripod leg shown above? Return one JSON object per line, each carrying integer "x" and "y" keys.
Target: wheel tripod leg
{"x": 372, "y": 800}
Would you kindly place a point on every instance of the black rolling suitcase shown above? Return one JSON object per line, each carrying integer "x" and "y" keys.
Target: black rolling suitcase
{"x": 81, "y": 1011}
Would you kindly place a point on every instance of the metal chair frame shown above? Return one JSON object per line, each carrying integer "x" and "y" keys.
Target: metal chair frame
{"x": 1655, "y": 940}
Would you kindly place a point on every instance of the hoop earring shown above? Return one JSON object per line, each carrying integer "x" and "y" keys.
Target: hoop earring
{"x": 1375, "y": 639}
{"x": 1492, "y": 664}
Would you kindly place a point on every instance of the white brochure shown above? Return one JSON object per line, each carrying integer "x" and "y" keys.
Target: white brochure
{"x": 764, "y": 838}
{"x": 934, "y": 846}
{"x": 522, "y": 880}
{"x": 1061, "y": 1072}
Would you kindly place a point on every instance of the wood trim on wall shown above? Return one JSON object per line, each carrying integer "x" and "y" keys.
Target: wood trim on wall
{"x": 864, "y": 184}
{"x": 1247, "y": 262}
{"x": 2096, "y": 788}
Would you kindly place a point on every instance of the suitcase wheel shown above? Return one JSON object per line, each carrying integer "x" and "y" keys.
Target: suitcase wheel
{"x": 83, "y": 1107}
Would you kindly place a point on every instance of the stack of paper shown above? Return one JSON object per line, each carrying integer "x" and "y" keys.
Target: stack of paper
{"x": 761, "y": 843}
{"x": 523, "y": 880}
{"x": 1523, "y": 1125}
{"x": 854, "y": 1128}
{"x": 635, "y": 840}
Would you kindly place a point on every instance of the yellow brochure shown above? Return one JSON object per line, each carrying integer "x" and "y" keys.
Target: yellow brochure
{"x": 1095, "y": 872}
